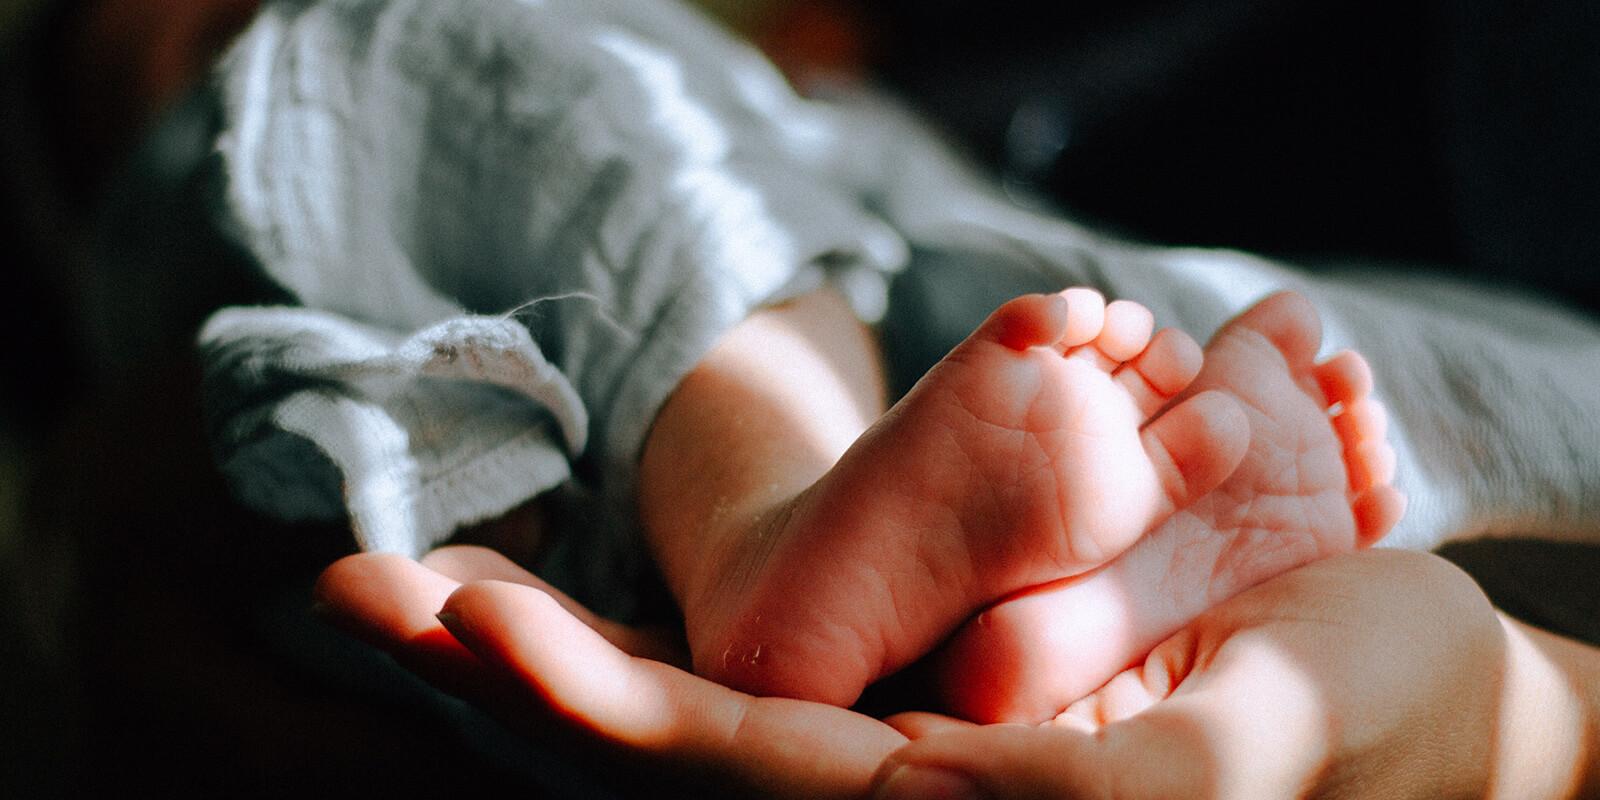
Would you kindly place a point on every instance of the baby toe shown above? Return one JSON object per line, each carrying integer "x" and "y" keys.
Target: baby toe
{"x": 1086, "y": 316}
{"x": 1377, "y": 511}
{"x": 1162, "y": 370}
{"x": 1362, "y": 428}
{"x": 1028, "y": 321}
{"x": 1344, "y": 378}
{"x": 1361, "y": 420}
{"x": 1126, "y": 331}
{"x": 1370, "y": 463}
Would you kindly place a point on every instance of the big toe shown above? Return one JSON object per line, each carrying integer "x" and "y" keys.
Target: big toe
{"x": 1068, "y": 319}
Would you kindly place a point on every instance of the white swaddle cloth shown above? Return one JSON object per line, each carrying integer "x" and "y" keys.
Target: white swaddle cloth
{"x": 514, "y": 225}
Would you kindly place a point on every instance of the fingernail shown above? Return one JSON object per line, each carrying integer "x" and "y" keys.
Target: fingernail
{"x": 927, "y": 783}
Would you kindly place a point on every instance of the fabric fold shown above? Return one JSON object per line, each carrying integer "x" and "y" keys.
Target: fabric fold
{"x": 514, "y": 226}
{"x": 456, "y": 423}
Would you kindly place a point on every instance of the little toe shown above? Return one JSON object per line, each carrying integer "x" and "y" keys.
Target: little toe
{"x": 1167, "y": 366}
{"x": 1377, "y": 511}
{"x": 1344, "y": 378}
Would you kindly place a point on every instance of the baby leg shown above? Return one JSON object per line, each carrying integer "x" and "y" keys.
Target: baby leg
{"x": 1315, "y": 483}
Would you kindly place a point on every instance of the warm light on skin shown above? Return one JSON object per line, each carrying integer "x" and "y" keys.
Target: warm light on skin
{"x": 1436, "y": 675}
{"x": 1010, "y": 690}
{"x": 776, "y": 358}
{"x": 1542, "y": 738}
{"x": 1540, "y": 718}
{"x": 1289, "y": 711}
{"x": 652, "y": 709}
{"x": 1226, "y": 749}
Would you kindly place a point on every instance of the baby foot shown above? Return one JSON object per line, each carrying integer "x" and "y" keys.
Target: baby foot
{"x": 1315, "y": 482}
{"x": 1025, "y": 456}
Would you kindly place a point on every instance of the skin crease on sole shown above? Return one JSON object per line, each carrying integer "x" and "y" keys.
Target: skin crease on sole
{"x": 1025, "y": 456}
{"x": 1316, "y": 483}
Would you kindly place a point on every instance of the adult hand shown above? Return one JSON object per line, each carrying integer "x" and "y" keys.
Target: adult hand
{"x": 1379, "y": 674}
{"x": 601, "y": 692}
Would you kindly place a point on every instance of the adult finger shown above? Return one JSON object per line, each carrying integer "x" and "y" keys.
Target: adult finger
{"x": 1146, "y": 757}
{"x": 641, "y": 710}
{"x": 1373, "y": 670}
{"x": 466, "y": 564}
{"x": 392, "y": 603}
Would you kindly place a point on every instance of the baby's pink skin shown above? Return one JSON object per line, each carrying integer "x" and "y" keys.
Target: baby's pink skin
{"x": 1027, "y": 455}
{"x": 1316, "y": 482}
